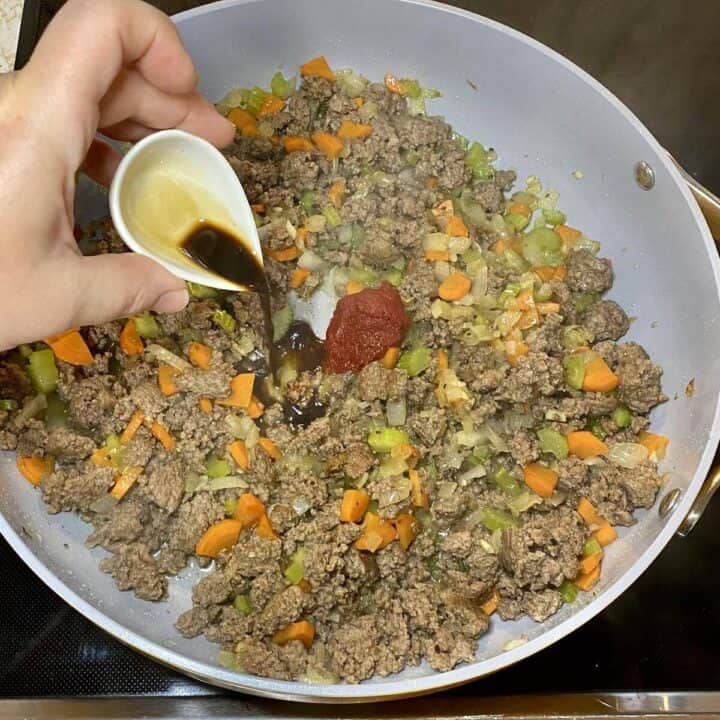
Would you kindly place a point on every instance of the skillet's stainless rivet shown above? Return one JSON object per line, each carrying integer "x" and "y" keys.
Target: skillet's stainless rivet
{"x": 669, "y": 502}
{"x": 644, "y": 175}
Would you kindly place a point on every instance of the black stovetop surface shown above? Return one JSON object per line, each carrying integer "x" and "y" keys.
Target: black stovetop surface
{"x": 663, "y": 632}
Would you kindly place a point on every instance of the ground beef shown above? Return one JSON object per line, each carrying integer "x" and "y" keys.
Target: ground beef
{"x": 639, "y": 378}
{"x": 606, "y": 320}
{"x": 587, "y": 273}
{"x": 134, "y": 568}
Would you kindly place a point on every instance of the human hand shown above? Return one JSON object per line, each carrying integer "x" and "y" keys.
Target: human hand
{"x": 117, "y": 66}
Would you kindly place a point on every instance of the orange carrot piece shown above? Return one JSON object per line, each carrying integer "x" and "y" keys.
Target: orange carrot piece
{"x": 34, "y": 469}
{"x": 136, "y": 420}
{"x": 545, "y": 272}
{"x": 418, "y": 496}
{"x": 390, "y": 358}
{"x": 445, "y": 209}
{"x": 491, "y": 604}
{"x": 238, "y": 452}
{"x": 588, "y": 513}
{"x": 130, "y": 341}
{"x": 358, "y": 102}
{"x": 605, "y": 534}
{"x": 250, "y": 131}
{"x": 220, "y": 536}
{"x": 499, "y": 247}
{"x": 377, "y": 533}
{"x": 456, "y": 227}
{"x": 125, "y": 480}
{"x": 547, "y": 308}
{"x": 540, "y": 479}
{"x": 455, "y": 286}
{"x": 241, "y": 118}
{"x": 270, "y": 105}
{"x": 437, "y": 255}
{"x": 599, "y": 377}
{"x": 655, "y": 444}
{"x": 304, "y": 631}
{"x": 586, "y": 581}
{"x": 258, "y": 208}
{"x": 265, "y": 530}
{"x": 569, "y": 235}
{"x": 560, "y": 272}
{"x": 166, "y": 373}
{"x": 206, "y": 405}
{"x": 284, "y": 254}
{"x": 163, "y": 435}
{"x": 514, "y": 350}
{"x": 443, "y": 362}
{"x": 101, "y": 457}
{"x": 353, "y": 506}
{"x": 584, "y": 444}
{"x": 353, "y": 286}
{"x": 589, "y": 563}
{"x": 520, "y": 209}
{"x": 70, "y": 347}
{"x": 353, "y": 131}
{"x": 317, "y": 67}
{"x": 255, "y": 409}
{"x": 522, "y": 301}
{"x": 241, "y": 387}
{"x": 406, "y": 526}
{"x": 249, "y": 510}
{"x": 270, "y": 447}
{"x": 298, "y": 276}
{"x": 329, "y": 145}
{"x": 336, "y": 192}
{"x": 200, "y": 355}
{"x": 296, "y": 143}
{"x": 394, "y": 85}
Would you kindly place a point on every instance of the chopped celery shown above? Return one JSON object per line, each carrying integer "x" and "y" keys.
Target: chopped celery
{"x": 383, "y": 440}
{"x": 415, "y": 361}
{"x": 494, "y": 519}
{"x": 225, "y": 320}
{"x": 574, "y": 337}
{"x": 55, "y": 412}
{"x": 482, "y": 453}
{"x": 237, "y": 97}
{"x": 307, "y": 201}
{"x": 415, "y": 105}
{"x": 551, "y": 441}
{"x": 242, "y": 604}
{"x": 516, "y": 221}
{"x": 230, "y": 506}
{"x": 42, "y": 370}
{"x": 584, "y": 301}
{"x": 412, "y": 157}
{"x": 147, "y": 326}
{"x": 575, "y": 370}
{"x": 394, "y": 277}
{"x": 514, "y": 262}
{"x": 201, "y": 291}
{"x": 506, "y": 482}
{"x": 8, "y": 405}
{"x": 188, "y": 335}
{"x": 363, "y": 275}
{"x": 256, "y": 97}
{"x": 460, "y": 140}
{"x": 26, "y": 351}
{"x": 568, "y": 592}
{"x": 295, "y": 570}
{"x": 475, "y": 156}
{"x": 595, "y": 427}
{"x": 554, "y": 217}
{"x": 217, "y": 468}
{"x": 591, "y": 547}
{"x": 332, "y": 216}
{"x": 543, "y": 246}
{"x": 227, "y": 659}
{"x": 621, "y": 416}
{"x": 281, "y": 321}
{"x": 523, "y": 502}
{"x": 508, "y": 293}
{"x": 431, "y": 93}
{"x": 411, "y": 87}
{"x": 282, "y": 87}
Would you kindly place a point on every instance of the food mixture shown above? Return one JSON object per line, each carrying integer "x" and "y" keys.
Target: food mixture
{"x": 463, "y": 445}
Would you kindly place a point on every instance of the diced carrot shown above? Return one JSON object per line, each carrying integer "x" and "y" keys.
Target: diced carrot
{"x": 444, "y": 209}
{"x": 394, "y": 85}
{"x": 304, "y": 631}
{"x": 520, "y": 209}
{"x": 255, "y": 408}
{"x": 296, "y": 143}
{"x": 317, "y": 67}
{"x": 284, "y": 254}
{"x": 206, "y": 405}
{"x": 163, "y": 435}
{"x": 298, "y": 276}
{"x": 588, "y": 513}
{"x": 238, "y": 452}
{"x": 329, "y": 145}
{"x": 405, "y": 451}
{"x": 455, "y": 286}
{"x": 490, "y": 605}
{"x": 514, "y": 350}
{"x": 270, "y": 447}
{"x": 250, "y": 131}
{"x": 249, "y": 510}
{"x": 353, "y": 286}
{"x": 166, "y": 373}
{"x": 522, "y": 301}
{"x": 353, "y": 506}
{"x": 241, "y": 118}
{"x": 220, "y": 536}
{"x": 130, "y": 341}
{"x": 586, "y": 581}
{"x": 200, "y": 355}
{"x": 589, "y": 563}
{"x": 125, "y": 480}
{"x": 569, "y": 235}
{"x": 265, "y": 530}
{"x": 258, "y": 208}
{"x": 499, "y": 247}
{"x": 437, "y": 255}
{"x": 70, "y": 347}
{"x": 560, "y": 272}
{"x": 540, "y": 479}
{"x": 34, "y": 469}
{"x": 406, "y": 526}
{"x": 442, "y": 361}
{"x": 390, "y": 358}
{"x": 358, "y": 102}
{"x": 353, "y": 131}
{"x": 301, "y": 235}
{"x": 528, "y": 319}
{"x": 241, "y": 387}
{"x": 376, "y": 534}
{"x": 456, "y": 227}
{"x": 102, "y": 457}
{"x": 547, "y": 308}
{"x": 655, "y": 444}
{"x": 270, "y": 105}
{"x": 584, "y": 444}
{"x": 599, "y": 377}
{"x": 545, "y": 272}
{"x": 136, "y": 420}
{"x": 605, "y": 534}
{"x": 418, "y": 496}
{"x": 336, "y": 192}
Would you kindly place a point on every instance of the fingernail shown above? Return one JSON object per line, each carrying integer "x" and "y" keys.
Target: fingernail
{"x": 172, "y": 301}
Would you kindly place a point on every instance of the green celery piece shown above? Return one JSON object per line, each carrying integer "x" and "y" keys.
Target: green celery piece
{"x": 383, "y": 440}
{"x": 147, "y": 326}
{"x": 460, "y": 140}
{"x": 281, "y": 86}
{"x": 307, "y": 201}
{"x": 394, "y": 277}
{"x": 543, "y": 293}
{"x": 332, "y": 216}
{"x": 201, "y": 291}
{"x": 230, "y": 506}
{"x": 551, "y": 441}
{"x": 8, "y": 404}
{"x": 255, "y": 100}
{"x": 516, "y": 221}
{"x": 226, "y": 321}
{"x": 242, "y": 604}
{"x": 584, "y": 301}
{"x": 543, "y": 246}
{"x": 622, "y": 417}
{"x": 217, "y": 468}
{"x": 595, "y": 428}
{"x": 508, "y": 293}
{"x": 55, "y": 412}
{"x": 494, "y": 519}
{"x": 573, "y": 337}
{"x": 514, "y": 261}
{"x": 412, "y": 157}
{"x": 43, "y": 371}
{"x": 591, "y": 547}
{"x": 482, "y": 453}
{"x": 554, "y": 217}
{"x": 295, "y": 570}
{"x": 506, "y": 482}
{"x": 26, "y": 351}
{"x": 415, "y": 361}
{"x": 412, "y": 88}
{"x": 475, "y": 155}
{"x": 568, "y": 592}
{"x": 575, "y": 370}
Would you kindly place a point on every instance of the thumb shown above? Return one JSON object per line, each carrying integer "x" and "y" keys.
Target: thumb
{"x": 123, "y": 284}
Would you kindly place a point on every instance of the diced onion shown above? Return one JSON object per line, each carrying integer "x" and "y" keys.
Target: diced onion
{"x": 396, "y": 412}
{"x": 472, "y": 474}
{"x": 229, "y": 482}
{"x": 300, "y": 505}
{"x": 311, "y": 261}
{"x": 164, "y": 355}
{"x": 316, "y": 223}
{"x": 446, "y": 489}
{"x": 399, "y": 491}
{"x": 627, "y": 455}
{"x": 368, "y": 111}
{"x": 30, "y": 409}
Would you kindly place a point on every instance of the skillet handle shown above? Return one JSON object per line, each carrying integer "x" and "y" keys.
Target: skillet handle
{"x": 711, "y": 484}
{"x": 709, "y": 202}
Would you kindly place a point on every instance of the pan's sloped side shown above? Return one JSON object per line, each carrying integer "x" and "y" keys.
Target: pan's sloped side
{"x": 545, "y": 117}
